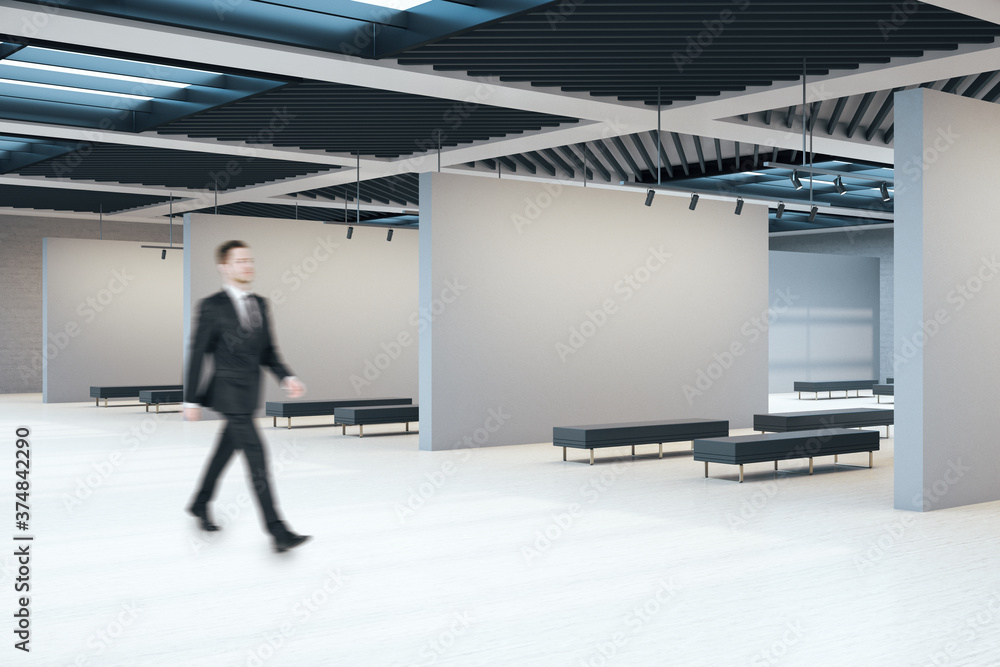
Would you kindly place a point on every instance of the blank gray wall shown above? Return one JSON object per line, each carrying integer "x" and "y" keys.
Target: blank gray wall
{"x": 865, "y": 242}
{"x": 947, "y": 300}
{"x": 111, "y": 316}
{"x": 533, "y": 322}
{"x": 21, "y": 276}
{"x": 344, "y": 311}
{"x": 831, "y": 330}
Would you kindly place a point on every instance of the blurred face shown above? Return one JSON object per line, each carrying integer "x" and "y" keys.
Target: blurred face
{"x": 239, "y": 267}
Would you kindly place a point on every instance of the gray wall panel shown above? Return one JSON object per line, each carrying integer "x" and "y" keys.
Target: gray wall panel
{"x": 831, "y": 329}
{"x": 557, "y": 305}
{"x": 112, "y": 314}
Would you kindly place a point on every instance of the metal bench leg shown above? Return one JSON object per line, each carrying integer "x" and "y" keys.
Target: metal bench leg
{"x": 407, "y": 427}
{"x": 591, "y": 456}
{"x": 274, "y": 422}
{"x": 157, "y": 408}
{"x": 564, "y": 453}
{"x": 741, "y": 473}
{"x": 289, "y": 422}
{"x": 835, "y": 457}
{"x": 97, "y": 402}
{"x": 661, "y": 450}
{"x": 343, "y": 429}
{"x": 810, "y": 465}
{"x": 775, "y": 465}
{"x": 706, "y": 468}
{"x": 105, "y": 402}
{"x": 147, "y": 407}
{"x": 870, "y": 458}
{"x": 633, "y": 451}
{"x": 361, "y": 433}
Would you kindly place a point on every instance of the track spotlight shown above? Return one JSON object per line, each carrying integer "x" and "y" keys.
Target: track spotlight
{"x": 839, "y": 184}
{"x": 350, "y": 232}
{"x": 884, "y": 189}
{"x": 781, "y": 210}
{"x": 795, "y": 180}
{"x": 694, "y": 202}
{"x": 388, "y": 236}
{"x": 812, "y": 213}
{"x": 649, "y": 197}
{"x": 163, "y": 254}
{"x": 739, "y": 205}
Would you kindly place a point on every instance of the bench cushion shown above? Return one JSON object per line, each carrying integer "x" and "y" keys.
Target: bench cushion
{"x": 800, "y": 421}
{"x": 834, "y": 385}
{"x": 161, "y": 395}
{"x": 381, "y": 414}
{"x": 324, "y": 406}
{"x": 636, "y": 433}
{"x": 884, "y": 390}
{"x": 776, "y": 446}
{"x": 129, "y": 392}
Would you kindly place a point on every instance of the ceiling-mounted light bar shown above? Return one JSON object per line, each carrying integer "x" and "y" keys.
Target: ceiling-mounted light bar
{"x": 86, "y": 72}
{"x": 796, "y": 169}
{"x": 70, "y": 89}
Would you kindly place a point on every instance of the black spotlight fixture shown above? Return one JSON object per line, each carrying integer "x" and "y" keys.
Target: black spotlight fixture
{"x": 812, "y": 213}
{"x": 839, "y": 184}
{"x": 350, "y": 232}
{"x": 884, "y": 189}
{"x": 739, "y": 205}
{"x": 388, "y": 236}
{"x": 649, "y": 197}
{"x": 781, "y": 210}
{"x": 694, "y": 202}
{"x": 163, "y": 254}
{"x": 795, "y": 180}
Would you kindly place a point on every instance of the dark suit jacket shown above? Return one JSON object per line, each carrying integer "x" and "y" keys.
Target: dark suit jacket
{"x": 238, "y": 355}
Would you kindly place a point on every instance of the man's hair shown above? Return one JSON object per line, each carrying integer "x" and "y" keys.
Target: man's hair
{"x": 222, "y": 252}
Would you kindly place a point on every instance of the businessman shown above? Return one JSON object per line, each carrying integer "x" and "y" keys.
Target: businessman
{"x": 234, "y": 327}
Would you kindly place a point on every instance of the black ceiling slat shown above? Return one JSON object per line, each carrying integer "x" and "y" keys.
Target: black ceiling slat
{"x": 664, "y": 158}
{"x": 952, "y": 84}
{"x": 490, "y": 164}
{"x": 643, "y": 154}
{"x": 736, "y": 156}
{"x": 790, "y": 116}
{"x": 993, "y": 94}
{"x": 595, "y": 162}
{"x": 882, "y": 113}
{"x": 606, "y": 152}
{"x": 525, "y": 162}
{"x": 543, "y": 163}
{"x": 718, "y": 154}
{"x": 814, "y": 110}
{"x": 977, "y": 86}
{"x": 561, "y": 163}
{"x": 767, "y": 117}
{"x": 756, "y": 155}
{"x": 627, "y": 156}
{"x": 866, "y": 102}
{"x": 680, "y": 153}
{"x": 889, "y": 134}
{"x": 507, "y": 162}
{"x": 576, "y": 161}
{"x": 838, "y": 110}
{"x": 701, "y": 153}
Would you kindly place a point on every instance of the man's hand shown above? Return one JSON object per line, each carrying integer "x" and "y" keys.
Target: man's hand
{"x": 192, "y": 414}
{"x": 293, "y": 388}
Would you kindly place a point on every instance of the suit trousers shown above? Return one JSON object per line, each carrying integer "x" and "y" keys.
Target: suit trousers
{"x": 240, "y": 433}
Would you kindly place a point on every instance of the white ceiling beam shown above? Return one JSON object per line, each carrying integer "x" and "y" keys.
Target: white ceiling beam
{"x": 102, "y": 186}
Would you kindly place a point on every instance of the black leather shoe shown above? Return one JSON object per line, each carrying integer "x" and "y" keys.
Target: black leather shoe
{"x": 289, "y": 540}
{"x": 201, "y": 513}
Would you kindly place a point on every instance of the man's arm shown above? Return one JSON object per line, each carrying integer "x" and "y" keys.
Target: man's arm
{"x": 270, "y": 358}
{"x": 201, "y": 343}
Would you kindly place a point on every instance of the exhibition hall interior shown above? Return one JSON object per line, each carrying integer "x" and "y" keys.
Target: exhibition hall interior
{"x": 600, "y": 309}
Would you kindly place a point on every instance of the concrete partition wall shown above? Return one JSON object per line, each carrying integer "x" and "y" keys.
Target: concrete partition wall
{"x": 344, "y": 311}
{"x": 111, "y": 315}
{"x": 830, "y": 330}
{"x": 947, "y": 300}
{"x": 552, "y": 305}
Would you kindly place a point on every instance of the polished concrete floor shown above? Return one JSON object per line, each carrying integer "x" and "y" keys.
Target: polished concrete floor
{"x": 496, "y": 556}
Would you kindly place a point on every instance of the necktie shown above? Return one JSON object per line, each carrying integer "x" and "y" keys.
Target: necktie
{"x": 253, "y": 318}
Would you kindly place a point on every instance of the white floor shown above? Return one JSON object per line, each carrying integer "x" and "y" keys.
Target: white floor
{"x": 499, "y": 556}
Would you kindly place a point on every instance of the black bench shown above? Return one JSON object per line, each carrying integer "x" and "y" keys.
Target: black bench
{"x": 97, "y": 393}
{"x": 636, "y": 433}
{"x": 742, "y": 449}
{"x": 883, "y": 390}
{"x": 381, "y": 414}
{"x": 158, "y": 396}
{"x": 832, "y": 386}
{"x": 781, "y": 422}
{"x": 313, "y": 408}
